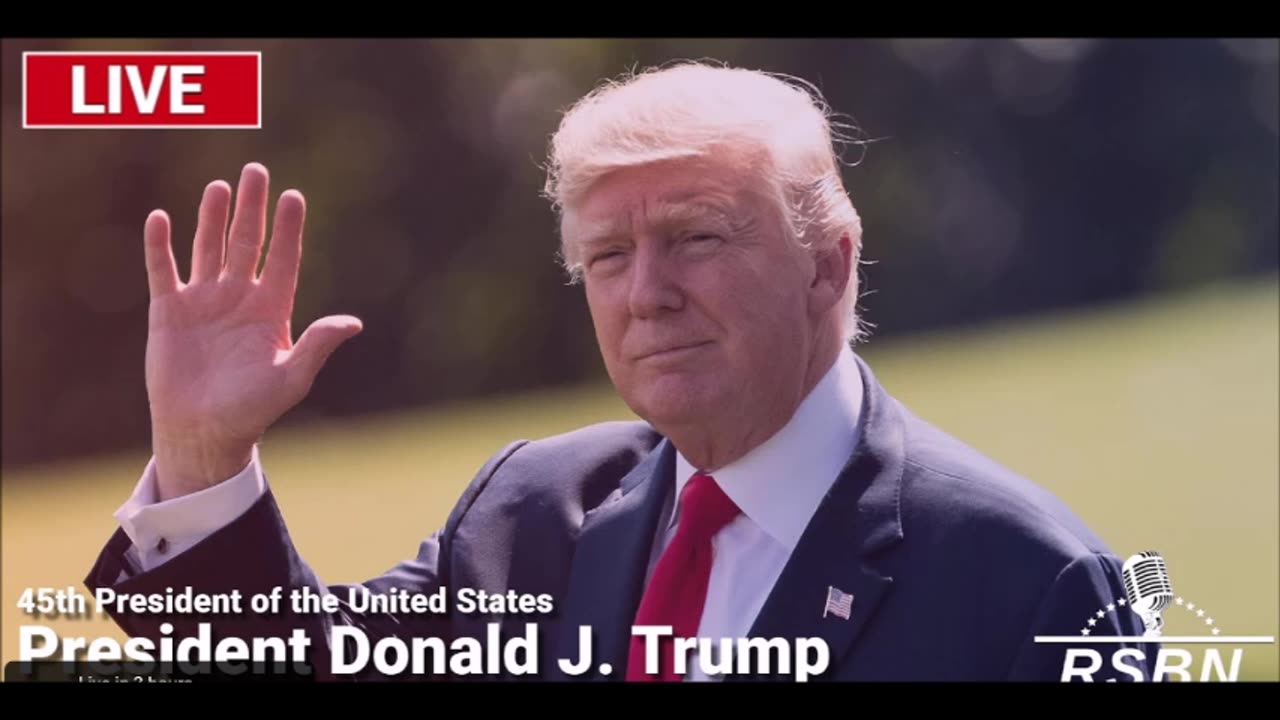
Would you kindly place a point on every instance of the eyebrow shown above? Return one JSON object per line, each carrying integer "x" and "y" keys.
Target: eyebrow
{"x": 677, "y": 212}
{"x": 673, "y": 210}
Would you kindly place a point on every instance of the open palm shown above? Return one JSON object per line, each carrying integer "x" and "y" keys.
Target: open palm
{"x": 221, "y": 363}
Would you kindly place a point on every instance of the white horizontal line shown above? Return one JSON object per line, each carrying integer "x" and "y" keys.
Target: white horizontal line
{"x": 1165, "y": 640}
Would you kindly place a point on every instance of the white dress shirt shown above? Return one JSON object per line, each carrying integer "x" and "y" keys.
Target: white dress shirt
{"x": 778, "y": 486}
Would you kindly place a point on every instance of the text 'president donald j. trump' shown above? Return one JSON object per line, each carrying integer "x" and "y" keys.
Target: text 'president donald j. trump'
{"x": 772, "y": 489}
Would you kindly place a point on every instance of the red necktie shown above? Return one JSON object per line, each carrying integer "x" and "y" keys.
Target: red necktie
{"x": 678, "y": 587}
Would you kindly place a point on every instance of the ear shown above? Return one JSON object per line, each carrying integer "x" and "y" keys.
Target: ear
{"x": 831, "y": 271}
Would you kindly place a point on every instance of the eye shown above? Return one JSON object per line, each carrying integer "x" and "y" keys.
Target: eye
{"x": 609, "y": 257}
{"x": 701, "y": 242}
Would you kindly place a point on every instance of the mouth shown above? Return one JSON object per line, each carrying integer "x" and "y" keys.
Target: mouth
{"x": 673, "y": 352}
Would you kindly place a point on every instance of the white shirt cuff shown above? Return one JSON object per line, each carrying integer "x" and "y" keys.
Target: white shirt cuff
{"x": 162, "y": 530}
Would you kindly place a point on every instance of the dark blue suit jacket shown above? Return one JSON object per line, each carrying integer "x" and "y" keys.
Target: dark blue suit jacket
{"x": 955, "y": 564}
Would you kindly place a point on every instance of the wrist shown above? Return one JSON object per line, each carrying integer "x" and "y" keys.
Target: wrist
{"x": 187, "y": 467}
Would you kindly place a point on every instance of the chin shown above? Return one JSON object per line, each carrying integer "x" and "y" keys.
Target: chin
{"x": 676, "y": 400}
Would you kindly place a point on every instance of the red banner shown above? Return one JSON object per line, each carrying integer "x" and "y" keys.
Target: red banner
{"x": 124, "y": 90}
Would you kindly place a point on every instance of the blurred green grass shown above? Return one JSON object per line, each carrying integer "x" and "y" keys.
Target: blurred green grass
{"x": 1157, "y": 421}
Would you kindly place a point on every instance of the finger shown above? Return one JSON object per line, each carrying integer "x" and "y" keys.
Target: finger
{"x": 280, "y": 273}
{"x": 249, "y": 225}
{"x": 211, "y": 232}
{"x": 315, "y": 346}
{"x": 162, "y": 269}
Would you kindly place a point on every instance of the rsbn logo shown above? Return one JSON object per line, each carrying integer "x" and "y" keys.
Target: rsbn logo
{"x": 1150, "y": 595}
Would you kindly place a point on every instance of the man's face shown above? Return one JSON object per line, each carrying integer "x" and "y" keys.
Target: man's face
{"x": 702, "y": 307}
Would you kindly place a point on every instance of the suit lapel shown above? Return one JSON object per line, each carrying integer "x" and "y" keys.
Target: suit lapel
{"x": 859, "y": 517}
{"x": 610, "y": 563}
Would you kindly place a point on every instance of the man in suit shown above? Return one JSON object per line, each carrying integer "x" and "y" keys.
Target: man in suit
{"x": 772, "y": 488}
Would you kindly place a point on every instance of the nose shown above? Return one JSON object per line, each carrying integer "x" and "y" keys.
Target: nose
{"x": 654, "y": 288}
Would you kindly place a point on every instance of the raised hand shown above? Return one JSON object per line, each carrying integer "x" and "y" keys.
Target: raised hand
{"x": 221, "y": 364}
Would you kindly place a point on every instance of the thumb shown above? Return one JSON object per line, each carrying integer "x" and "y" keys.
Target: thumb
{"x": 316, "y": 345}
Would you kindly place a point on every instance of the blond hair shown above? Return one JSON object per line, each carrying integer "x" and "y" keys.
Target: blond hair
{"x": 693, "y": 109}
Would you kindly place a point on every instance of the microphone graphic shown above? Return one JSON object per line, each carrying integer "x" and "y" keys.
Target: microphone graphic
{"x": 1146, "y": 582}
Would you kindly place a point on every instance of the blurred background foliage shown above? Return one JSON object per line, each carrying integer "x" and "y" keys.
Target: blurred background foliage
{"x": 1003, "y": 177}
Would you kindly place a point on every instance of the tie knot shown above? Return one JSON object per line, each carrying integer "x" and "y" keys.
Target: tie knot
{"x": 704, "y": 508}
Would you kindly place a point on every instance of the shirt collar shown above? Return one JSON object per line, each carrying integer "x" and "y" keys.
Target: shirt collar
{"x": 801, "y": 460}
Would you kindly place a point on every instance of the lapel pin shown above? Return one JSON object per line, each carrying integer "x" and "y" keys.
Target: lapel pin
{"x": 839, "y": 603}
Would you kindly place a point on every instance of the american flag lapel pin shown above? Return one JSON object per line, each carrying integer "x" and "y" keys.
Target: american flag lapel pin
{"x": 839, "y": 603}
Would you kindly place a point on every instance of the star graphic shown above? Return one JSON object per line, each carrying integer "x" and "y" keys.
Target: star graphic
{"x": 1216, "y": 631}
{"x": 1084, "y": 631}
{"x": 1120, "y": 602}
{"x": 1111, "y": 607}
{"x": 1208, "y": 621}
{"x": 1092, "y": 622}
{"x": 1179, "y": 601}
{"x": 1200, "y": 613}
{"x": 1191, "y": 606}
{"x": 1101, "y": 614}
